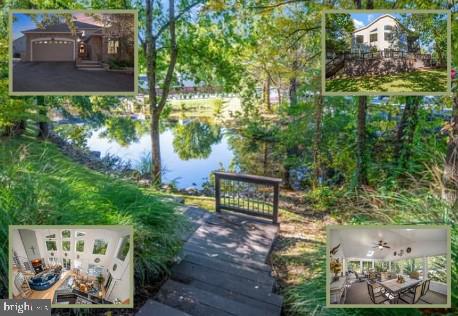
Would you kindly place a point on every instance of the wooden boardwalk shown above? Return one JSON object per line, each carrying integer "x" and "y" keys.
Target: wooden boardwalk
{"x": 222, "y": 270}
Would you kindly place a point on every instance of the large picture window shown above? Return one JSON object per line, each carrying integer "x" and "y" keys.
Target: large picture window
{"x": 80, "y": 245}
{"x": 359, "y": 39}
{"x": 94, "y": 270}
{"x": 100, "y": 247}
{"x": 373, "y": 38}
{"x": 413, "y": 265}
{"x": 354, "y": 266}
{"x": 124, "y": 248}
{"x": 66, "y": 234}
{"x": 437, "y": 268}
{"x": 51, "y": 245}
{"x": 66, "y": 245}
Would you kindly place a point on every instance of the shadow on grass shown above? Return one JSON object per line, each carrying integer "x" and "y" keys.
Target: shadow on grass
{"x": 416, "y": 81}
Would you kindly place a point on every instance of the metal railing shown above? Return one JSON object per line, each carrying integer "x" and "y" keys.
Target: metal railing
{"x": 247, "y": 194}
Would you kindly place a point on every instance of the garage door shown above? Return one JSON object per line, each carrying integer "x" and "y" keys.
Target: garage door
{"x": 58, "y": 50}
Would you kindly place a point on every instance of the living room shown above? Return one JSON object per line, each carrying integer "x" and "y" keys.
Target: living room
{"x": 73, "y": 266}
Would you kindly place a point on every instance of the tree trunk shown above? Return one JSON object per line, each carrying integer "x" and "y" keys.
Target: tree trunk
{"x": 317, "y": 142}
{"x": 266, "y": 89}
{"x": 156, "y": 149}
{"x": 293, "y": 85}
{"x": 361, "y": 162}
{"x": 156, "y": 105}
{"x": 450, "y": 178}
{"x": 279, "y": 95}
{"x": 406, "y": 131}
{"x": 43, "y": 125}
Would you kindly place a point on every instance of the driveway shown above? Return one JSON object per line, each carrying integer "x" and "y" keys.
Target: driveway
{"x": 64, "y": 77}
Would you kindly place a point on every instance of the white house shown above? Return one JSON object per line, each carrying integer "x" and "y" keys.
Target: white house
{"x": 384, "y": 33}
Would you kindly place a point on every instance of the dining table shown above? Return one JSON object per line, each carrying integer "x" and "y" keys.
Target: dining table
{"x": 395, "y": 288}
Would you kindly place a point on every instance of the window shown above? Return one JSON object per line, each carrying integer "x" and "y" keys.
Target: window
{"x": 66, "y": 234}
{"x": 381, "y": 266}
{"x": 388, "y": 28}
{"x": 66, "y": 245}
{"x": 100, "y": 247}
{"x": 354, "y": 266}
{"x": 437, "y": 268}
{"x": 80, "y": 245}
{"x": 94, "y": 270}
{"x": 80, "y": 234}
{"x": 367, "y": 265}
{"x": 388, "y": 37}
{"x": 124, "y": 248}
{"x": 113, "y": 46}
{"x": 51, "y": 245}
{"x": 359, "y": 39}
{"x": 67, "y": 263}
{"x": 395, "y": 267}
{"x": 373, "y": 38}
{"x": 52, "y": 261}
{"x": 413, "y": 265}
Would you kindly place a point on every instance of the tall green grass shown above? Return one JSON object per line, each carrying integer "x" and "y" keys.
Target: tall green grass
{"x": 420, "y": 203}
{"x": 39, "y": 185}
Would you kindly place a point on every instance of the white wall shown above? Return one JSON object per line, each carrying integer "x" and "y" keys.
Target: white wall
{"x": 423, "y": 249}
{"x": 380, "y": 44}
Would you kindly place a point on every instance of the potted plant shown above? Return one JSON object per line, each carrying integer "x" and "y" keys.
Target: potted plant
{"x": 336, "y": 268}
{"x": 100, "y": 280}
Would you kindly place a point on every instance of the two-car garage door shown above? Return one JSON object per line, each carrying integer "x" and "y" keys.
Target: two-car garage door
{"x": 52, "y": 50}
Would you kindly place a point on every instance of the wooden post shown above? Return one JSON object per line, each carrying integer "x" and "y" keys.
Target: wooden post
{"x": 275, "y": 202}
{"x": 217, "y": 193}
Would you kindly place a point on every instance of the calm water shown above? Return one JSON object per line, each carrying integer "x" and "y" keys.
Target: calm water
{"x": 186, "y": 173}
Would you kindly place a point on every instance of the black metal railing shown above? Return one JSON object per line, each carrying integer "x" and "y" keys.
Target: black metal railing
{"x": 247, "y": 194}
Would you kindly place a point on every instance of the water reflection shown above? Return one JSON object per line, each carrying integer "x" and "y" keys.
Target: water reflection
{"x": 190, "y": 150}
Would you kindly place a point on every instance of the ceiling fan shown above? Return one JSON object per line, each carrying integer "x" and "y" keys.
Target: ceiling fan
{"x": 381, "y": 244}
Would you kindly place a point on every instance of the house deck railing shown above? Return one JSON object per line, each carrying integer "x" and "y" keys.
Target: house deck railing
{"x": 247, "y": 194}
{"x": 387, "y": 53}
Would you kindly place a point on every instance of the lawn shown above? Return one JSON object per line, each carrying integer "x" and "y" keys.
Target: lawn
{"x": 416, "y": 81}
{"x": 40, "y": 185}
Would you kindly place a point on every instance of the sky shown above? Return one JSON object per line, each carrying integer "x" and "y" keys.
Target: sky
{"x": 363, "y": 19}
{"x": 24, "y": 22}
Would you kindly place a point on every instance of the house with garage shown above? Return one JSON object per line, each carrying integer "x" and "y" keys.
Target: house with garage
{"x": 88, "y": 45}
{"x": 384, "y": 33}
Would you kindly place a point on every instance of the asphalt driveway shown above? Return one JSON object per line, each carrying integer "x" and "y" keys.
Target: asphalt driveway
{"x": 64, "y": 77}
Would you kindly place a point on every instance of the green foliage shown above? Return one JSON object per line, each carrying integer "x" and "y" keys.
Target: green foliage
{"x": 39, "y": 185}
{"x": 339, "y": 28}
{"x": 194, "y": 139}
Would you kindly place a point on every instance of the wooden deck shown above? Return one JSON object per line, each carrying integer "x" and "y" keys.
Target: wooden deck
{"x": 222, "y": 269}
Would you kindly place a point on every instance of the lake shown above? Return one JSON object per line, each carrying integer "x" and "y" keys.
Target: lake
{"x": 189, "y": 151}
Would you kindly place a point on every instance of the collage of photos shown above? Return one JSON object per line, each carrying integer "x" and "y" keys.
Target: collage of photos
{"x": 228, "y": 158}
{"x": 389, "y": 265}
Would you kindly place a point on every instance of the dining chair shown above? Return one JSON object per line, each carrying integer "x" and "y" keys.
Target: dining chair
{"x": 412, "y": 299}
{"x": 360, "y": 278}
{"x": 378, "y": 298}
{"x": 425, "y": 290}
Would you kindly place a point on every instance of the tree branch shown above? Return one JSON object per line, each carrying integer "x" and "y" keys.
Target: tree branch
{"x": 178, "y": 17}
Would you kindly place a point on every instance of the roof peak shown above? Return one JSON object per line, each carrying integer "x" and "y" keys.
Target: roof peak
{"x": 377, "y": 19}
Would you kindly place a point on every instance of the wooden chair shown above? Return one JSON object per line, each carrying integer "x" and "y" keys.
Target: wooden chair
{"x": 360, "y": 278}
{"x": 412, "y": 299}
{"x": 378, "y": 298}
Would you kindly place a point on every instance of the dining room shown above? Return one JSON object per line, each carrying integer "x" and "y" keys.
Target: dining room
{"x": 389, "y": 266}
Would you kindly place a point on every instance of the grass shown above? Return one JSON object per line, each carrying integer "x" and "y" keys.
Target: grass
{"x": 431, "y": 80}
{"x": 305, "y": 292}
{"x": 40, "y": 185}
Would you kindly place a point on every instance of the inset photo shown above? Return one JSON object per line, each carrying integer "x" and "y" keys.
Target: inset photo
{"x": 73, "y": 52}
{"x": 389, "y": 266}
{"x": 73, "y": 266}
{"x": 368, "y": 53}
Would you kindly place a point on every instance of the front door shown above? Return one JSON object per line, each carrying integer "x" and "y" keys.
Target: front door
{"x": 67, "y": 264}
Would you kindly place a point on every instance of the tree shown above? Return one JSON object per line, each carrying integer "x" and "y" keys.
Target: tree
{"x": 406, "y": 131}
{"x": 317, "y": 141}
{"x": 450, "y": 178}
{"x": 150, "y": 47}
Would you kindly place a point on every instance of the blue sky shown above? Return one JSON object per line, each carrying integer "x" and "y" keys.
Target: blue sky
{"x": 363, "y": 19}
{"x": 22, "y": 22}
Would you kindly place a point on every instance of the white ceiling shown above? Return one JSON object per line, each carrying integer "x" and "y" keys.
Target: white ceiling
{"x": 356, "y": 243}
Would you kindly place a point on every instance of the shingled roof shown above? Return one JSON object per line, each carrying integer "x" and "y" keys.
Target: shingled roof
{"x": 63, "y": 27}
